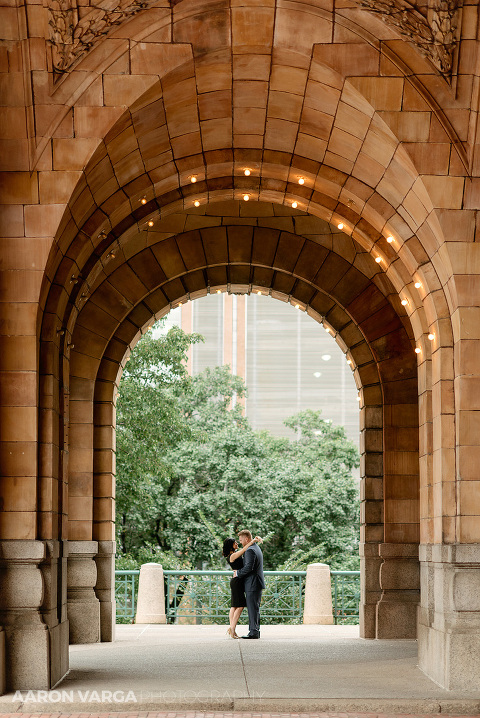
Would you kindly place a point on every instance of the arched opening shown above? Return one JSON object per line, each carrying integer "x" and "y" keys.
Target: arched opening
{"x": 325, "y": 133}
{"x": 363, "y": 314}
{"x": 133, "y": 244}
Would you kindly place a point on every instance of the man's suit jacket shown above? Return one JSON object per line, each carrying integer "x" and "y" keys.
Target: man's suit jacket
{"x": 252, "y": 570}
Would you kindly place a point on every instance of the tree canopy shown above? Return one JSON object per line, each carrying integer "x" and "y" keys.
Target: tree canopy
{"x": 149, "y": 422}
{"x": 191, "y": 470}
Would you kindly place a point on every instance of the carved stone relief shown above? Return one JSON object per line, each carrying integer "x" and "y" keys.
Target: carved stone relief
{"x": 72, "y": 36}
{"x": 435, "y": 37}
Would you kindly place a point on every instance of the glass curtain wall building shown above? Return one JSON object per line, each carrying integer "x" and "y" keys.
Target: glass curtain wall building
{"x": 288, "y": 361}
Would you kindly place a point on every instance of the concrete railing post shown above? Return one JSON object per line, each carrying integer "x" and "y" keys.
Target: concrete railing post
{"x": 151, "y": 595}
{"x": 318, "y": 595}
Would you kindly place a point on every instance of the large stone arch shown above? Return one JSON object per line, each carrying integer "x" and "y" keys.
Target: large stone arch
{"x": 359, "y": 315}
{"x": 88, "y": 233}
{"x": 383, "y": 135}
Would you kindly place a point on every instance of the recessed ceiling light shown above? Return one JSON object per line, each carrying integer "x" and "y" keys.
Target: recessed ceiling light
{"x": 301, "y": 180}
{"x": 246, "y": 173}
{"x": 340, "y": 226}
{"x": 193, "y": 179}
{"x": 246, "y": 197}
{"x": 196, "y": 203}
{"x": 294, "y": 205}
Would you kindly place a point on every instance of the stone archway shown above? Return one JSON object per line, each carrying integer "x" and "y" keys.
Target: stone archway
{"x": 162, "y": 271}
{"x": 383, "y": 137}
{"x": 379, "y": 365}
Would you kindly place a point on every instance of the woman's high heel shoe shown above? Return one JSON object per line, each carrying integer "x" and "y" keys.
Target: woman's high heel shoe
{"x": 229, "y": 632}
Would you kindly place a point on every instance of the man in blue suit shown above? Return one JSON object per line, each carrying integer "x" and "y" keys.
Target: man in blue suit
{"x": 252, "y": 573}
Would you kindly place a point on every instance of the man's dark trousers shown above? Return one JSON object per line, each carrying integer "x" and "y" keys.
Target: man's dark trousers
{"x": 253, "y": 608}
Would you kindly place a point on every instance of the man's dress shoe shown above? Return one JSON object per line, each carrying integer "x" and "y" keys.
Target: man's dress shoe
{"x": 249, "y": 636}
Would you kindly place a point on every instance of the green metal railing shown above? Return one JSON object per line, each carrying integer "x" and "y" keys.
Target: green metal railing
{"x": 204, "y": 596}
{"x": 345, "y": 596}
{"x": 126, "y": 590}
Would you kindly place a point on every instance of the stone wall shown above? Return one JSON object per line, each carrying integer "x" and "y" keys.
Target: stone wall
{"x": 124, "y": 191}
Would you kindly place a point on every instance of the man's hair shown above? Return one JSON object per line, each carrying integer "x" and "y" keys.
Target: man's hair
{"x": 245, "y": 532}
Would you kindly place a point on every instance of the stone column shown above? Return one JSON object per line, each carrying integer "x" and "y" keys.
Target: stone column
{"x": 449, "y": 615}
{"x": 318, "y": 595}
{"x": 372, "y": 529}
{"x": 3, "y": 682}
{"x": 400, "y": 585}
{"x": 54, "y": 606}
{"x": 27, "y": 645}
{"x": 105, "y": 589}
{"x": 82, "y": 604}
{"x": 151, "y": 595}
{"x": 370, "y": 592}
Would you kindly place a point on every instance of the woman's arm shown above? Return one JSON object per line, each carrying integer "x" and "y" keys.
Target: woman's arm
{"x": 240, "y": 552}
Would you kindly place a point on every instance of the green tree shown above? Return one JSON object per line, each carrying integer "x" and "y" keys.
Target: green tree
{"x": 190, "y": 468}
{"x": 300, "y": 492}
{"x": 325, "y": 510}
{"x": 213, "y": 481}
{"x": 209, "y": 402}
{"x": 149, "y": 421}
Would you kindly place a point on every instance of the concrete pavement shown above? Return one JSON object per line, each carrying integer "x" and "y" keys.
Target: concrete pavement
{"x": 290, "y": 669}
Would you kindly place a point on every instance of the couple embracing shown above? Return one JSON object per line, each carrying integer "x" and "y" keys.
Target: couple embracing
{"x": 247, "y": 583}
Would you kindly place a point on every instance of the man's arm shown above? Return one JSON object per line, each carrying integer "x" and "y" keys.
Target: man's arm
{"x": 248, "y": 565}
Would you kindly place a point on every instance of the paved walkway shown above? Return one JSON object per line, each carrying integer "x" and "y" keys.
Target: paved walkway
{"x": 221, "y": 714}
{"x": 292, "y": 669}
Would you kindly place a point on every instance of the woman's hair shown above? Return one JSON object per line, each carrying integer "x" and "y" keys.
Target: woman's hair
{"x": 228, "y": 546}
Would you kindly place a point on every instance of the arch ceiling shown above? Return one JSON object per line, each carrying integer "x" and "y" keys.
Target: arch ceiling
{"x": 354, "y": 171}
{"x": 281, "y": 101}
{"x": 244, "y": 257}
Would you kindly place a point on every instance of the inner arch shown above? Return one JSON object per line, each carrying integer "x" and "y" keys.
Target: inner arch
{"x": 363, "y": 314}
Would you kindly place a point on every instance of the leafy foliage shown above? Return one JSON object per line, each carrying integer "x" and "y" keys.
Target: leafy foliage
{"x": 191, "y": 470}
{"x": 149, "y": 422}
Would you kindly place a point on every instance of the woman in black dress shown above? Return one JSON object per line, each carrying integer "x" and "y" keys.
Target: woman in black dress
{"x": 235, "y": 561}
